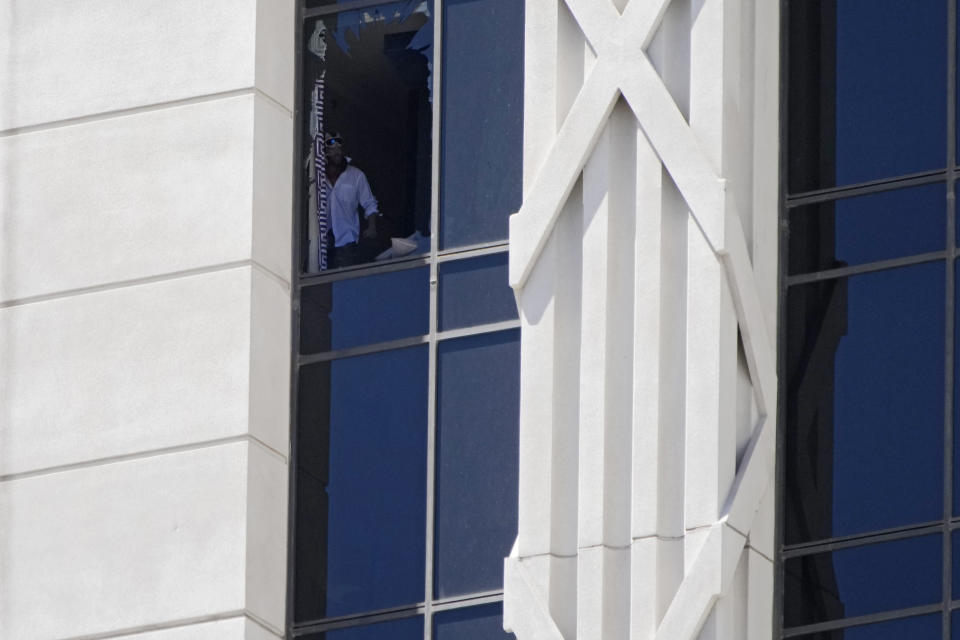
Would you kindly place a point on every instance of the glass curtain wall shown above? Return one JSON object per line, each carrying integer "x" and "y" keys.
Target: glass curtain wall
{"x": 868, "y": 498}
{"x": 406, "y": 335}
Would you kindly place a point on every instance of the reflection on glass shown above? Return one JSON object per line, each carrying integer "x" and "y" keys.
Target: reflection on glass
{"x": 367, "y": 310}
{"x": 862, "y": 580}
{"x": 864, "y": 431}
{"x": 858, "y": 230}
{"x": 361, "y": 483}
{"x": 475, "y": 292}
{"x": 368, "y": 121}
{"x": 482, "y": 139}
{"x": 867, "y": 90}
{"x": 406, "y": 629}
{"x": 477, "y": 414}
{"x": 476, "y": 623}
{"x": 919, "y": 628}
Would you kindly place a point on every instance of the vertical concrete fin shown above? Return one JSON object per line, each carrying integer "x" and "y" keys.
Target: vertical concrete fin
{"x": 594, "y": 336}
{"x": 646, "y": 371}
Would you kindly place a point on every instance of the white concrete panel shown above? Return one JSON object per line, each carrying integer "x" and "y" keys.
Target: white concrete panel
{"x": 711, "y": 384}
{"x": 68, "y": 59}
{"x": 760, "y": 597}
{"x": 535, "y": 488}
{"x": 643, "y": 588}
{"x": 269, "y": 387}
{"x": 590, "y": 594}
{"x": 266, "y": 537}
{"x": 272, "y": 187}
{"x": 125, "y": 370}
{"x": 254, "y": 631}
{"x": 566, "y": 265}
{"x": 541, "y": 115}
{"x": 728, "y": 618}
{"x": 594, "y": 347}
{"x": 276, "y": 36}
{"x": 123, "y": 545}
{"x": 761, "y": 534}
{"x": 132, "y": 197}
{"x": 563, "y": 595}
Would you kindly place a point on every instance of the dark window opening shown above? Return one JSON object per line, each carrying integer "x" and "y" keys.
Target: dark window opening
{"x": 368, "y": 122}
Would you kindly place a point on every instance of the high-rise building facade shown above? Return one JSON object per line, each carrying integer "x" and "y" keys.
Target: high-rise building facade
{"x": 546, "y": 319}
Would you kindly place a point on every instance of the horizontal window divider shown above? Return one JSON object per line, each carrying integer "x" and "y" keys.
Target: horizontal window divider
{"x": 865, "y": 188}
{"x": 401, "y": 264}
{"x": 860, "y": 539}
{"x": 368, "y": 269}
{"x": 869, "y": 267}
{"x": 357, "y": 619}
{"x": 363, "y": 350}
{"x": 398, "y": 613}
{"x": 843, "y": 623}
{"x": 473, "y": 251}
{"x": 317, "y": 12}
{"x": 469, "y": 600}
{"x": 494, "y": 327}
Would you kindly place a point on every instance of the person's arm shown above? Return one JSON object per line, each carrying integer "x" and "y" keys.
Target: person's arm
{"x": 371, "y": 210}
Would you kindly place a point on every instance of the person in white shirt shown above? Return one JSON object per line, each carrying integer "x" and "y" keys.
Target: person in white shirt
{"x": 348, "y": 191}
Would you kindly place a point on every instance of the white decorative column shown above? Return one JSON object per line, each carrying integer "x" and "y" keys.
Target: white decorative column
{"x": 644, "y": 260}
{"x": 145, "y": 187}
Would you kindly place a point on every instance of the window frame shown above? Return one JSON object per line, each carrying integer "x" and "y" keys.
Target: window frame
{"x": 433, "y": 259}
{"x": 949, "y": 175}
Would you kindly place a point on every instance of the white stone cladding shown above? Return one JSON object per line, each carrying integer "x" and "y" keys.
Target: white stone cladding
{"x": 644, "y": 261}
{"x": 145, "y": 206}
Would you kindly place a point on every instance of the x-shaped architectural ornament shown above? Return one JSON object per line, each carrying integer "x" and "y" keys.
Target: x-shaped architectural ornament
{"x": 623, "y": 68}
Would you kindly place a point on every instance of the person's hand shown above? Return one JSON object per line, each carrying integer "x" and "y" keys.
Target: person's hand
{"x": 370, "y": 233}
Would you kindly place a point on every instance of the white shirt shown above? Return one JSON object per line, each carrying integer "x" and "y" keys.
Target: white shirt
{"x": 351, "y": 190}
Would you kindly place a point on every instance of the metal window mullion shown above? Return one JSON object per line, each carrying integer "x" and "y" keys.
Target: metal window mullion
{"x": 366, "y": 269}
{"x": 317, "y": 12}
{"x": 356, "y": 620}
{"x": 859, "y": 540}
{"x": 781, "y": 336}
{"x": 362, "y": 350}
{"x": 397, "y": 613}
{"x": 949, "y": 319}
{"x": 871, "y": 618}
{"x": 295, "y": 290}
{"x": 865, "y": 188}
{"x": 867, "y": 267}
{"x": 434, "y": 279}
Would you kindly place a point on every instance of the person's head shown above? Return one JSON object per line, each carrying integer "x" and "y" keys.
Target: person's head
{"x": 333, "y": 146}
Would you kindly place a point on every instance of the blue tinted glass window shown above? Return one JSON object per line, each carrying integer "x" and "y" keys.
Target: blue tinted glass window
{"x": 864, "y": 423}
{"x": 867, "y": 91}
{"x": 482, "y": 129}
{"x": 862, "y": 580}
{"x": 919, "y": 628}
{"x": 366, "y": 310}
{"x": 474, "y": 623}
{"x": 477, "y": 413}
{"x": 474, "y": 292}
{"x": 362, "y": 452}
{"x": 955, "y": 625}
{"x": 852, "y": 231}
{"x": 406, "y": 629}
